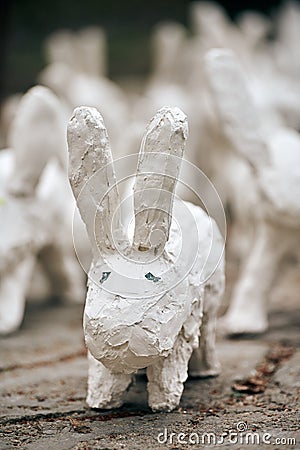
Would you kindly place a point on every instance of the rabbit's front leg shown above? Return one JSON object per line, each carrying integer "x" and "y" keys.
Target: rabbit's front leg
{"x": 166, "y": 377}
{"x": 204, "y": 361}
{"x": 247, "y": 312}
{"x": 13, "y": 288}
{"x": 105, "y": 389}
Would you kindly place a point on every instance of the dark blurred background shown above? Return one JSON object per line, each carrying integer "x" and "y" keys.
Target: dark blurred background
{"x": 24, "y": 24}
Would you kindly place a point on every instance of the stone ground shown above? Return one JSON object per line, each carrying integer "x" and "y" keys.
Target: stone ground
{"x": 43, "y": 386}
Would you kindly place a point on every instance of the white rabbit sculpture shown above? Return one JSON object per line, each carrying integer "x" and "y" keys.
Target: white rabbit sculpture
{"x": 33, "y": 223}
{"x": 274, "y": 157}
{"x": 147, "y": 306}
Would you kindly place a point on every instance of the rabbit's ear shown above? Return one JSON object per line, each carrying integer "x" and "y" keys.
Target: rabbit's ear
{"x": 92, "y": 176}
{"x": 36, "y": 135}
{"x": 235, "y": 107}
{"x": 157, "y": 173}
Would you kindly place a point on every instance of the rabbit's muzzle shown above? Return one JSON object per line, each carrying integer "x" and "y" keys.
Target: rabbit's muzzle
{"x": 125, "y": 349}
{"x": 127, "y": 334}
{"x": 125, "y": 341}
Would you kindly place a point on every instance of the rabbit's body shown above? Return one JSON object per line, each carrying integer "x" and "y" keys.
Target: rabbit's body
{"x": 127, "y": 332}
{"x": 152, "y": 300}
{"x": 279, "y": 182}
{"x": 22, "y": 235}
{"x": 22, "y": 229}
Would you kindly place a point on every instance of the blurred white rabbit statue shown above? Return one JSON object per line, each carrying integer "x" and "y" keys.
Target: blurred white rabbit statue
{"x": 152, "y": 300}
{"x": 274, "y": 157}
{"x": 33, "y": 222}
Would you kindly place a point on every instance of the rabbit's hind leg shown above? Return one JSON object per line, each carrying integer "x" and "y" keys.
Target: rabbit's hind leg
{"x": 105, "y": 389}
{"x": 166, "y": 377}
{"x": 204, "y": 361}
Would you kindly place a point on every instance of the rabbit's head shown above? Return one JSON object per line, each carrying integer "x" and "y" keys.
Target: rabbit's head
{"x": 135, "y": 306}
{"x": 37, "y": 134}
